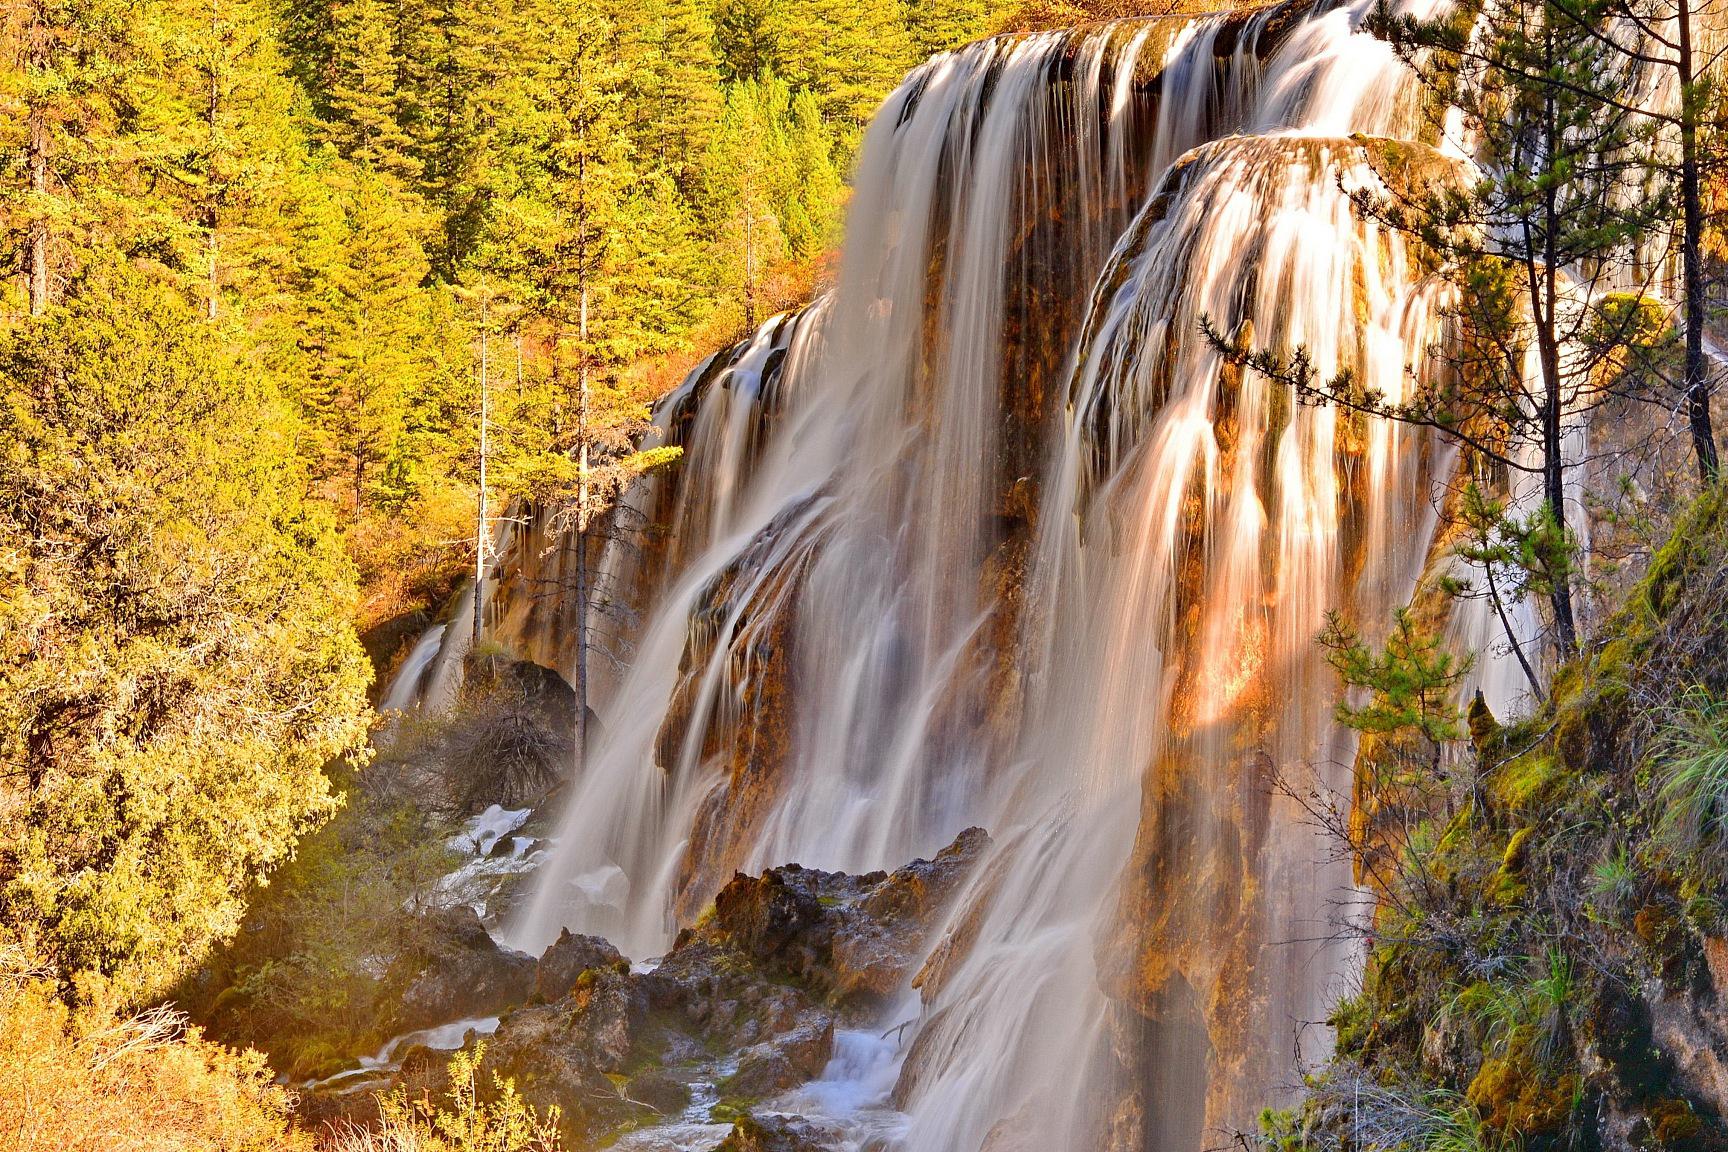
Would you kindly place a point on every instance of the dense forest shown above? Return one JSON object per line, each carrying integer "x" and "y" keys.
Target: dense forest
{"x": 305, "y": 305}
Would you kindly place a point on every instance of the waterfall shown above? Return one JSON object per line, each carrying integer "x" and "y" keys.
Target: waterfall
{"x": 991, "y": 534}
{"x": 1214, "y": 525}
{"x": 820, "y": 682}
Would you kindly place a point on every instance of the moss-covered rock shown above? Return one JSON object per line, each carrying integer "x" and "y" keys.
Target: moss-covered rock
{"x": 1546, "y": 969}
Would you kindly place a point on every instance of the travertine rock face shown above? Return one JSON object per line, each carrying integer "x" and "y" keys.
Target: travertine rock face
{"x": 1690, "y": 1027}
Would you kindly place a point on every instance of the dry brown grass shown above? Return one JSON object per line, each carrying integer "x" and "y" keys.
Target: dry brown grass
{"x": 89, "y": 1081}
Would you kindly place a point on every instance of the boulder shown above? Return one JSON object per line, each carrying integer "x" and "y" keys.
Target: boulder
{"x": 567, "y": 958}
{"x": 854, "y": 940}
{"x": 874, "y": 953}
{"x": 659, "y": 1091}
{"x": 546, "y": 1054}
{"x": 772, "y": 1132}
{"x": 785, "y": 1061}
{"x": 550, "y": 696}
{"x": 604, "y": 1015}
{"x": 456, "y": 970}
{"x": 728, "y": 1001}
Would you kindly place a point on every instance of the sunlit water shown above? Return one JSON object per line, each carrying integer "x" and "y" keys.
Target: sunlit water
{"x": 993, "y": 535}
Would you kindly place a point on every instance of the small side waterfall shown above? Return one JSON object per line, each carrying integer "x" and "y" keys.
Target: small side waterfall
{"x": 992, "y": 534}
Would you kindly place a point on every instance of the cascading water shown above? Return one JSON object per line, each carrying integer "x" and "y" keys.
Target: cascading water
{"x": 1214, "y": 525}
{"x": 994, "y": 535}
{"x": 816, "y": 684}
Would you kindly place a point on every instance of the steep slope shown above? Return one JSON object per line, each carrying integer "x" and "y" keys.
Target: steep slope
{"x": 1549, "y": 961}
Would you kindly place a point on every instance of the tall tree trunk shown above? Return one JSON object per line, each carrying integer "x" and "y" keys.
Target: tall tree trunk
{"x": 482, "y": 534}
{"x": 582, "y": 497}
{"x": 1554, "y": 489}
{"x": 749, "y": 270}
{"x": 1697, "y": 383}
{"x": 36, "y": 147}
{"x": 1548, "y": 348}
{"x": 582, "y": 490}
{"x": 212, "y": 209}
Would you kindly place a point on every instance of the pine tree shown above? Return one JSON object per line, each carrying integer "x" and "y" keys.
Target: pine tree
{"x": 363, "y": 98}
{"x": 572, "y": 264}
{"x": 745, "y": 39}
{"x": 1564, "y": 196}
{"x": 938, "y": 25}
{"x": 1408, "y": 682}
{"x": 1657, "y": 40}
{"x": 850, "y": 55}
{"x": 672, "y": 93}
{"x": 814, "y": 199}
{"x": 70, "y": 61}
{"x": 1553, "y": 217}
{"x": 744, "y": 170}
{"x": 366, "y": 329}
{"x": 220, "y": 124}
{"x": 465, "y": 101}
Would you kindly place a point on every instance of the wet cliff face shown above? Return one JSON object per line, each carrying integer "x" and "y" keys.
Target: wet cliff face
{"x": 993, "y": 534}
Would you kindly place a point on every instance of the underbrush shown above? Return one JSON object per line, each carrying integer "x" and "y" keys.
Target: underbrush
{"x": 306, "y": 980}
{"x": 468, "y": 1117}
{"x": 310, "y": 979}
{"x": 89, "y": 1080}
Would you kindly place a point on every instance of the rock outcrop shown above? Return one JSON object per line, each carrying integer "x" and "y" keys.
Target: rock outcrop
{"x": 568, "y": 957}
{"x": 774, "y": 1133}
{"x": 851, "y": 938}
{"x": 765, "y": 977}
{"x": 456, "y": 970}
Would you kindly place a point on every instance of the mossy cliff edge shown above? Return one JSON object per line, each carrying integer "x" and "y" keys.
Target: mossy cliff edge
{"x": 1546, "y": 964}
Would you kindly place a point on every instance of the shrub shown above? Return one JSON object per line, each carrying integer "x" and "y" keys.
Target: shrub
{"x": 467, "y": 1121}
{"x": 499, "y": 749}
{"x": 177, "y": 665}
{"x": 1613, "y": 885}
{"x": 90, "y": 1081}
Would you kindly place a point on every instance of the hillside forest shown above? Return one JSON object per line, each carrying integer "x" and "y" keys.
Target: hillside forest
{"x": 256, "y": 255}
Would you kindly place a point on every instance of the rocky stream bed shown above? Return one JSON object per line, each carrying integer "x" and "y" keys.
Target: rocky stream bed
{"x": 774, "y": 1023}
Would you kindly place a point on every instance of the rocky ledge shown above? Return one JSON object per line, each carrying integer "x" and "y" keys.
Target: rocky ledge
{"x": 748, "y": 998}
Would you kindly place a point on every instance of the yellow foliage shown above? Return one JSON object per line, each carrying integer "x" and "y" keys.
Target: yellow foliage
{"x": 88, "y": 1081}
{"x": 465, "y": 1122}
